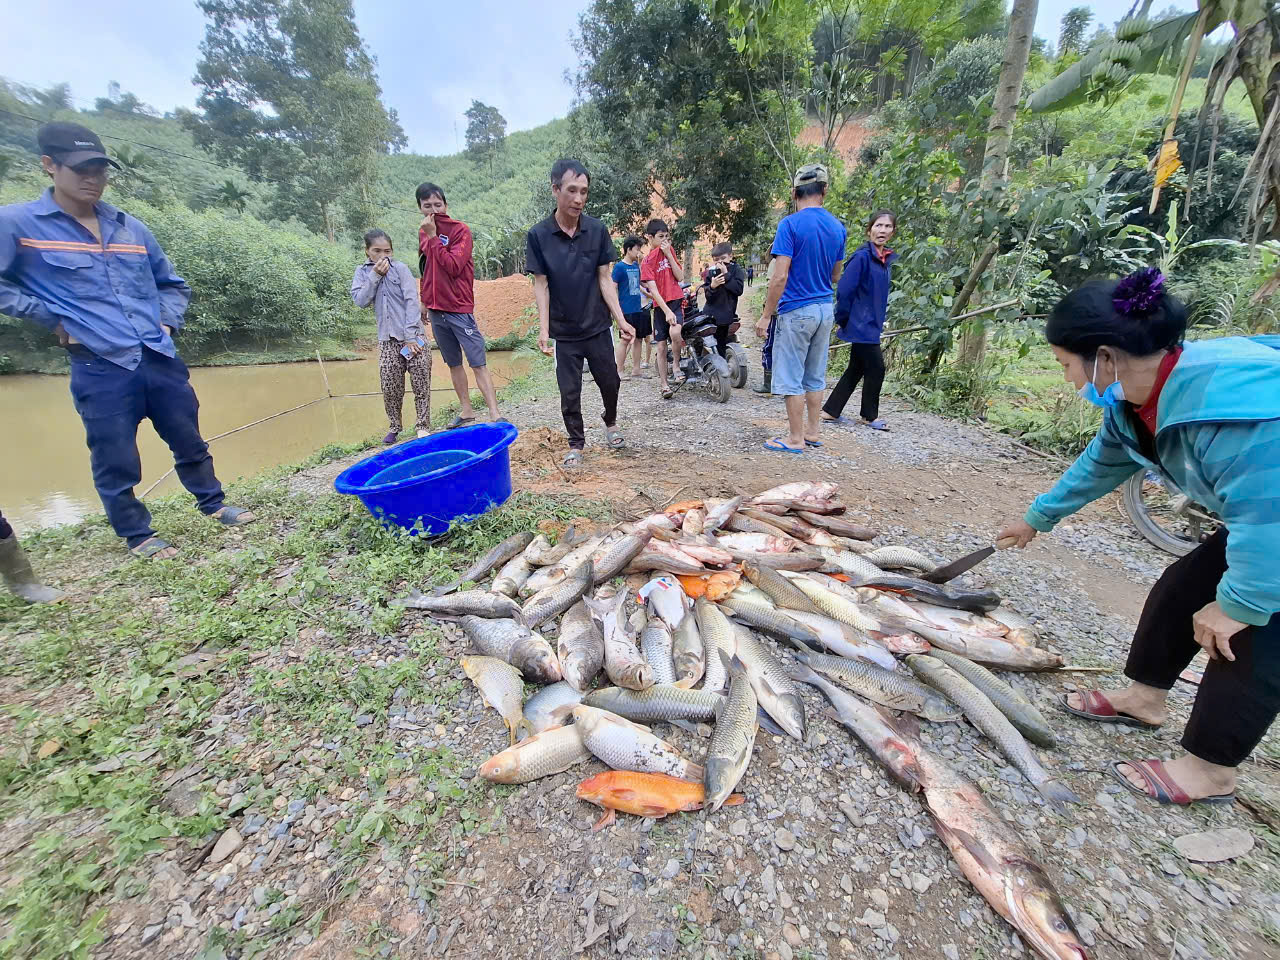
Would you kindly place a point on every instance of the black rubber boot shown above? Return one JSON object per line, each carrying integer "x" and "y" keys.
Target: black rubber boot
{"x": 766, "y": 386}
{"x": 20, "y": 578}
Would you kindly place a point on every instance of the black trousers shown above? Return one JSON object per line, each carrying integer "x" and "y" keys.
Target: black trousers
{"x": 1237, "y": 700}
{"x": 723, "y": 333}
{"x": 866, "y": 363}
{"x": 6, "y": 531}
{"x": 597, "y": 351}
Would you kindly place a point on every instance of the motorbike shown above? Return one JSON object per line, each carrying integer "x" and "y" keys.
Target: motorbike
{"x": 1164, "y": 515}
{"x": 703, "y": 368}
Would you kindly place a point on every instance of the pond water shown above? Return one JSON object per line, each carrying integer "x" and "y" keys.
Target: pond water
{"x": 44, "y": 476}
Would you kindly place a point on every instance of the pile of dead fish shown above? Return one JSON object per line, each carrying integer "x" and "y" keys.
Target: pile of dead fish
{"x": 677, "y": 611}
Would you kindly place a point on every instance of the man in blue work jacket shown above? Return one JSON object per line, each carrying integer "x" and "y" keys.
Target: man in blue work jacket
{"x": 96, "y": 277}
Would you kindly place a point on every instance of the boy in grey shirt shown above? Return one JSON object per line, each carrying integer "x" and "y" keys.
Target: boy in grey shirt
{"x": 388, "y": 285}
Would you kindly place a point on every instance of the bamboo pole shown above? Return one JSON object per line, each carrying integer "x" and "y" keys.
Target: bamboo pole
{"x": 320, "y": 360}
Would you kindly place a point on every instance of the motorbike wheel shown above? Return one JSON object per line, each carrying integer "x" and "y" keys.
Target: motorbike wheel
{"x": 738, "y": 370}
{"x": 717, "y": 386}
{"x": 1164, "y": 517}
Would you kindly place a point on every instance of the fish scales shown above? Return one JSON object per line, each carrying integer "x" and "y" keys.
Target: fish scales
{"x": 657, "y": 646}
{"x": 782, "y": 591}
{"x": 624, "y": 745}
{"x": 515, "y": 643}
{"x": 658, "y": 702}
{"x": 515, "y": 573}
{"x": 580, "y": 647}
{"x": 544, "y": 709}
{"x": 898, "y": 556}
{"x": 550, "y": 751}
{"x": 774, "y": 689}
{"x": 717, "y": 636}
{"x": 623, "y": 664}
{"x": 734, "y": 736}
{"x": 1022, "y": 713}
{"x": 893, "y": 690}
{"x": 501, "y": 688}
{"x": 479, "y": 603}
{"x": 986, "y": 717}
{"x": 557, "y": 599}
{"x": 774, "y": 622}
{"x": 496, "y": 556}
{"x": 688, "y": 654}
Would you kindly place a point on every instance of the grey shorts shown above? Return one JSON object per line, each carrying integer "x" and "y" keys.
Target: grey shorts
{"x": 456, "y": 334}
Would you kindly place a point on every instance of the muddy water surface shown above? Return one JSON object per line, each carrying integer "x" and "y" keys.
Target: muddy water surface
{"x": 44, "y": 472}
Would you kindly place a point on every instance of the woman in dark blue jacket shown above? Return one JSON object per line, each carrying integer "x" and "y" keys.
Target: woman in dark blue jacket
{"x": 861, "y": 301}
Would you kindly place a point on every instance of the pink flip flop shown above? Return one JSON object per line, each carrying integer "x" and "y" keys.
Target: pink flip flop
{"x": 1098, "y": 708}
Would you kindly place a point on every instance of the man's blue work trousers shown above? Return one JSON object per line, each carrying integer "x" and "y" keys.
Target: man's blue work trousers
{"x": 112, "y": 401}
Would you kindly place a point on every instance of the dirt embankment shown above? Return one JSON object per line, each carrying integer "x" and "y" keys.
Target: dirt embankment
{"x": 501, "y": 303}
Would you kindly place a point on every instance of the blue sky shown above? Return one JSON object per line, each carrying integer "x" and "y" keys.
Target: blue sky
{"x": 431, "y": 64}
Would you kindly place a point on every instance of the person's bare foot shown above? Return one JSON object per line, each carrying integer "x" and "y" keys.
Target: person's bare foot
{"x": 1197, "y": 778}
{"x": 1136, "y": 700}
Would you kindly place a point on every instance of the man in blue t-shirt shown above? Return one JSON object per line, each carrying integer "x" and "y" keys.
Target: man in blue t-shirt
{"x": 626, "y": 274}
{"x": 808, "y": 250}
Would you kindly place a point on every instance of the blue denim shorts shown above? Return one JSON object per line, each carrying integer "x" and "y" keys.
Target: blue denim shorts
{"x": 800, "y": 344}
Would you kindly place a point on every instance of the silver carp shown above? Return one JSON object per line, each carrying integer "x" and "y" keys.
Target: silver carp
{"x": 580, "y": 647}
{"x": 495, "y": 557}
{"x": 717, "y": 637}
{"x": 896, "y": 691}
{"x": 547, "y": 708}
{"x": 515, "y": 643}
{"x": 515, "y": 573}
{"x": 665, "y": 597}
{"x": 688, "y": 653}
{"x": 718, "y": 513}
{"x": 775, "y": 691}
{"x": 657, "y": 646}
{"x": 477, "y": 603}
{"x": 555, "y": 600}
{"x": 734, "y": 736}
{"x": 623, "y": 664}
{"x": 502, "y": 689}
{"x": 553, "y": 750}
{"x": 659, "y": 702}
{"x": 1022, "y": 713}
{"x": 986, "y": 717}
{"x": 624, "y": 745}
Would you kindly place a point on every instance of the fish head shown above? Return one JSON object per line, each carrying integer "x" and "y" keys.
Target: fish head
{"x": 721, "y": 776}
{"x": 593, "y": 789}
{"x": 501, "y": 767}
{"x": 538, "y": 661}
{"x": 941, "y": 710}
{"x": 639, "y": 676}
{"x": 791, "y": 719}
{"x": 1043, "y": 918}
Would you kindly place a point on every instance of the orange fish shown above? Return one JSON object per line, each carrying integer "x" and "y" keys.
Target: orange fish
{"x": 644, "y": 794}
{"x": 683, "y": 507}
{"x": 715, "y": 586}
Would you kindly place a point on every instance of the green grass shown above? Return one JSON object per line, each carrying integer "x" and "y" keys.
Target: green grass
{"x": 102, "y": 699}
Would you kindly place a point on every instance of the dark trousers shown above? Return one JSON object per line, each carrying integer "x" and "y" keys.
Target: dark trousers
{"x": 723, "y": 333}
{"x": 6, "y": 531}
{"x": 766, "y": 352}
{"x": 112, "y": 401}
{"x": 1237, "y": 700}
{"x": 866, "y": 363}
{"x": 597, "y": 351}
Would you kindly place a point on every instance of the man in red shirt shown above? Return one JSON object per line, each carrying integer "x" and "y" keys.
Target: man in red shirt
{"x": 448, "y": 300}
{"x": 660, "y": 275}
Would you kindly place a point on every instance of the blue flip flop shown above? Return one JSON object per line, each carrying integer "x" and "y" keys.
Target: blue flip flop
{"x": 877, "y": 424}
{"x": 777, "y": 445}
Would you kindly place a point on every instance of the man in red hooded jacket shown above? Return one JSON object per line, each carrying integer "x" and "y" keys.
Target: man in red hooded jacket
{"x": 448, "y": 300}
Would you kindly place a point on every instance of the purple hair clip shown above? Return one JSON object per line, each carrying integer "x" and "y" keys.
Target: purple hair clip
{"x": 1139, "y": 293}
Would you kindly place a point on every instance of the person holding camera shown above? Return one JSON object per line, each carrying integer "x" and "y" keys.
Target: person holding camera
{"x": 722, "y": 285}
{"x": 387, "y": 285}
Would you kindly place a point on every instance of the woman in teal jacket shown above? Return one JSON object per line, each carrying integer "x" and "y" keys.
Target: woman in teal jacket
{"x": 1206, "y": 416}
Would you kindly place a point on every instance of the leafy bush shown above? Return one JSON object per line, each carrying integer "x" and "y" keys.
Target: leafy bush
{"x": 252, "y": 284}
{"x": 1219, "y": 293}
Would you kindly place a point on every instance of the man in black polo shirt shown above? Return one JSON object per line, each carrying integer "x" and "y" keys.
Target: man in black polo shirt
{"x": 570, "y": 256}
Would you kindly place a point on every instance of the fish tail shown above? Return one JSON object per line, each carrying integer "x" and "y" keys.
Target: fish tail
{"x": 446, "y": 588}
{"x": 1057, "y": 794}
{"x": 694, "y": 772}
{"x": 521, "y": 728}
{"x": 802, "y": 671}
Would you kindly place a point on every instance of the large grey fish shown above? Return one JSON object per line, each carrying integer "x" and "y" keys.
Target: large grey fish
{"x": 688, "y": 653}
{"x": 550, "y": 706}
{"x": 791, "y": 526}
{"x": 901, "y": 557}
{"x": 1022, "y": 713}
{"x": 657, "y": 646}
{"x": 977, "y": 601}
{"x": 776, "y": 623}
{"x": 540, "y": 553}
{"x": 580, "y": 647}
{"x": 775, "y": 691}
{"x": 612, "y": 558}
{"x": 885, "y": 742}
{"x": 838, "y": 525}
{"x": 513, "y": 546}
{"x": 991, "y": 651}
{"x": 623, "y": 664}
{"x": 734, "y": 737}
{"x": 986, "y": 717}
{"x": 896, "y": 691}
{"x": 515, "y": 573}
{"x": 502, "y": 689}
{"x": 555, "y": 600}
{"x": 1021, "y": 630}
{"x": 477, "y": 603}
{"x": 782, "y": 591}
{"x": 553, "y": 750}
{"x": 718, "y": 513}
{"x": 780, "y": 561}
{"x": 845, "y": 641}
{"x": 624, "y": 745}
{"x": 743, "y": 522}
{"x": 671, "y": 561}
{"x": 549, "y": 576}
{"x": 851, "y": 564}
{"x": 515, "y": 643}
{"x": 717, "y": 637}
{"x": 662, "y": 701}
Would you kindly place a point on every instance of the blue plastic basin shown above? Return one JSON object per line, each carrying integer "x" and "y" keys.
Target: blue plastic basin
{"x": 424, "y": 485}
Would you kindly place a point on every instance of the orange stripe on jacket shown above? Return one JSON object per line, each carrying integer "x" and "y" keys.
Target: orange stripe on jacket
{"x": 73, "y": 246}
